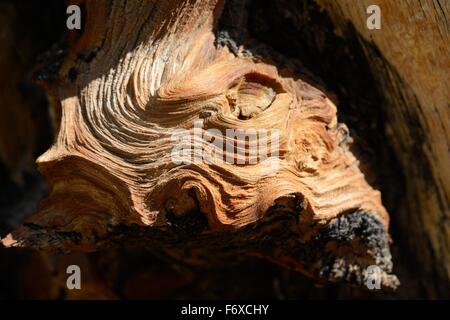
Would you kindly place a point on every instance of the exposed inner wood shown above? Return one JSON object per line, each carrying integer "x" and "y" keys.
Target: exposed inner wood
{"x": 142, "y": 71}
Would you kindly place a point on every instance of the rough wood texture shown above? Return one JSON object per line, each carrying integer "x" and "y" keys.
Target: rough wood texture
{"x": 142, "y": 70}
{"x": 414, "y": 78}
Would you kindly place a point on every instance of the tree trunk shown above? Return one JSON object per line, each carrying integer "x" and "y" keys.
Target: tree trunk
{"x": 132, "y": 92}
{"x": 411, "y": 66}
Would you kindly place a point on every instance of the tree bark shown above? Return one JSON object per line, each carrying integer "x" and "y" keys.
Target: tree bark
{"x": 412, "y": 69}
{"x": 140, "y": 70}
{"x": 126, "y": 89}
